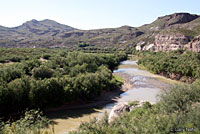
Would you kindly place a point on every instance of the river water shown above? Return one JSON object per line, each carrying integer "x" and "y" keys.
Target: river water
{"x": 146, "y": 86}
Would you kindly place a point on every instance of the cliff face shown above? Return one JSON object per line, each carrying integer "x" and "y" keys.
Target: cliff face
{"x": 171, "y": 32}
{"x": 167, "y": 42}
{"x": 194, "y": 45}
{"x": 170, "y": 42}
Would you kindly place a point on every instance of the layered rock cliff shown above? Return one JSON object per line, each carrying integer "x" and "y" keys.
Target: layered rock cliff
{"x": 168, "y": 42}
{"x": 171, "y": 42}
{"x": 171, "y": 32}
{"x": 194, "y": 45}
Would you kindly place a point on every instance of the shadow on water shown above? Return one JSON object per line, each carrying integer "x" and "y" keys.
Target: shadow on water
{"x": 73, "y": 113}
{"x": 68, "y": 119}
{"x": 80, "y": 111}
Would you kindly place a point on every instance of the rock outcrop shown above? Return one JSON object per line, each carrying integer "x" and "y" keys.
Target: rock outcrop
{"x": 177, "y": 18}
{"x": 140, "y": 45}
{"x": 167, "y": 42}
{"x": 149, "y": 47}
{"x": 117, "y": 110}
{"x": 194, "y": 45}
{"x": 120, "y": 108}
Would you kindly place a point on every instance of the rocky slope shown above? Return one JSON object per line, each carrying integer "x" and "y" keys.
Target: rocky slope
{"x": 32, "y": 33}
{"x": 169, "y": 32}
{"x": 194, "y": 45}
{"x": 48, "y": 33}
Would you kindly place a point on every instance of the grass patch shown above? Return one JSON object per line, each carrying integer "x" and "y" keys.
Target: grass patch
{"x": 119, "y": 78}
{"x": 133, "y": 57}
{"x": 187, "y": 32}
{"x": 142, "y": 67}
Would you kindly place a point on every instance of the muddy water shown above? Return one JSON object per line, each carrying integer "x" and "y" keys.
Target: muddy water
{"x": 68, "y": 120}
{"x": 146, "y": 86}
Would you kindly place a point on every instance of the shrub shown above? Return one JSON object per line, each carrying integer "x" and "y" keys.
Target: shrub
{"x": 48, "y": 92}
{"x": 18, "y": 93}
{"x": 83, "y": 45}
{"x": 10, "y": 73}
{"x": 178, "y": 109}
{"x": 42, "y": 72}
{"x": 15, "y": 59}
{"x": 46, "y": 56}
{"x": 179, "y": 99}
{"x": 20, "y": 89}
{"x": 31, "y": 123}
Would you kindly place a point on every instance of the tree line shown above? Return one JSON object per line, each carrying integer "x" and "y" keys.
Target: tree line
{"x": 58, "y": 77}
{"x": 178, "y": 65}
{"x": 178, "y": 111}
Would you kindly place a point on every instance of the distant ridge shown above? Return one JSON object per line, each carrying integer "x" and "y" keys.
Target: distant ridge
{"x": 50, "y": 34}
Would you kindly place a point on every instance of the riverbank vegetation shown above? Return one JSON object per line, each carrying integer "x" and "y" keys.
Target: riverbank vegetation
{"x": 43, "y": 78}
{"x": 177, "y": 112}
{"x": 177, "y": 65}
{"x": 33, "y": 122}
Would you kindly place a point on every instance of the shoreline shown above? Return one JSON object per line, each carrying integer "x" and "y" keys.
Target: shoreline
{"x": 172, "y": 76}
{"x": 105, "y": 97}
{"x": 82, "y": 111}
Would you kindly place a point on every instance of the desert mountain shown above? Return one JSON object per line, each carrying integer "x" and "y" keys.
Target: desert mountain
{"x": 48, "y": 33}
{"x": 31, "y": 33}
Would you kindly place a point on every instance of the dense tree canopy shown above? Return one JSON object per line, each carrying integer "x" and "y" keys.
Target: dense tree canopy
{"x": 176, "y": 65}
{"x": 53, "y": 77}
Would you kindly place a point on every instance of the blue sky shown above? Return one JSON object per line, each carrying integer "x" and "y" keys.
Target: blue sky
{"x": 92, "y": 14}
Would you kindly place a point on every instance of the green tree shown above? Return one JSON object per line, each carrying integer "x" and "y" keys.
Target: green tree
{"x": 42, "y": 72}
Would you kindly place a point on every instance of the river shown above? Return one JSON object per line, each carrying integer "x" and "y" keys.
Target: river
{"x": 146, "y": 86}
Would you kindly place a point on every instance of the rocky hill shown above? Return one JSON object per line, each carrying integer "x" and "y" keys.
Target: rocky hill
{"x": 33, "y": 33}
{"x": 170, "y": 32}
